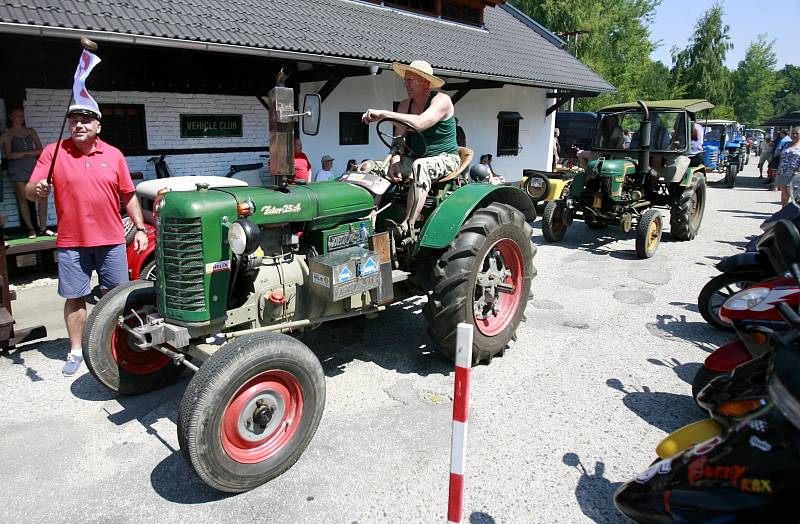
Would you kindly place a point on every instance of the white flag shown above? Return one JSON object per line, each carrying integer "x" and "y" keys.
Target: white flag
{"x": 79, "y": 93}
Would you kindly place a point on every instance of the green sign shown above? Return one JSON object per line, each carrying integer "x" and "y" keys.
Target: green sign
{"x": 206, "y": 126}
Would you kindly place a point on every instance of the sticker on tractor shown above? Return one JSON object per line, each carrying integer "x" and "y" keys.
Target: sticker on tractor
{"x": 369, "y": 267}
{"x": 345, "y": 275}
{"x": 216, "y": 267}
{"x": 347, "y": 239}
{"x": 321, "y": 279}
{"x": 280, "y": 210}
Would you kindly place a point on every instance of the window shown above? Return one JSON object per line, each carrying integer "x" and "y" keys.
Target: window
{"x": 463, "y": 11}
{"x": 508, "y": 133}
{"x": 352, "y": 131}
{"x": 124, "y": 127}
{"x": 457, "y": 12}
{"x": 425, "y": 6}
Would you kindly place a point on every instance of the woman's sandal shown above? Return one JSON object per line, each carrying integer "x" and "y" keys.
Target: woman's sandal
{"x": 46, "y": 233}
{"x": 32, "y": 234}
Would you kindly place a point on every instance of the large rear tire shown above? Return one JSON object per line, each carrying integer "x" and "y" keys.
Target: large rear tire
{"x": 688, "y": 206}
{"x": 251, "y": 410}
{"x": 721, "y": 288}
{"x": 553, "y": 225}
{"x": 648, "y": 233}
{"x": 483, "y": 279}
{"x": 110, "y": 352}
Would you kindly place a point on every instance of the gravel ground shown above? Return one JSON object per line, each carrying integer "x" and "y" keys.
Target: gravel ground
{"x": 600, "y": 373}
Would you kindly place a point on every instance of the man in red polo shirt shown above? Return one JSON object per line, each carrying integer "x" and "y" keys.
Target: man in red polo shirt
{"x": 302, "y": 165}
{"x": 89, "y": 177}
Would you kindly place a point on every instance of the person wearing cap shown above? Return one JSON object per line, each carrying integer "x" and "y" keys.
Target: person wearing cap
{"x": 89, "y": 177}
{"x": 432, "y": 113}
{"x": 326, "y": 173}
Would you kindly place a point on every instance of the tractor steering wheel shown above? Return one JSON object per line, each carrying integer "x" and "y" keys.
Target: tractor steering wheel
{"x": 395, "y": 142}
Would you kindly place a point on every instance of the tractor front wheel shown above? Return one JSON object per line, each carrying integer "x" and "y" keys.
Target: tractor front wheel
{"x": 111, "y": 353}
{"x": 730, "y": 175}
{"x": 553, "y": 224}
{"x": 686, "y": 213}
{"x": 648, "y": 233}
{"x": 251, "y": 410}
{"x": 483, "y": 279}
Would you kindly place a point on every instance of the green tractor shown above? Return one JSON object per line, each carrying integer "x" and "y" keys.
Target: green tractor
{"x": 626, "y": 186}
{"x": 242, "y": 268}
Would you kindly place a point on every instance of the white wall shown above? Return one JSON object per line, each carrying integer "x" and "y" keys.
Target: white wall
{"x": 44, "y": 109}
{"x": 476, "y": 113}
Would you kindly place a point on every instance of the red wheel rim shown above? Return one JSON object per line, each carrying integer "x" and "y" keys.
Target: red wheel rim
{"x": 244, "y": 438}
{"x": 498, "y": 287}
{"x": 129, "y": 357}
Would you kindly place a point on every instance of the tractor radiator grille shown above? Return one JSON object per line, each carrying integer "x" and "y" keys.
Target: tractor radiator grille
{"x": 182, "y": 271}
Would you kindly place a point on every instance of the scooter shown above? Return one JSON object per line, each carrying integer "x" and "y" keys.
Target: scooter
{"x": 753, "y": 313}
{"x": 742, "y": 270}
{"x": 751, "y": 473}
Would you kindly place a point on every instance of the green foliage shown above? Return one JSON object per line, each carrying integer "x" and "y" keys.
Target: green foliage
{"x": 700, "y": 68}
{"x": 755, "y": 83}
{"x": 787, "y": 95}
{"x": 616, "y": 44}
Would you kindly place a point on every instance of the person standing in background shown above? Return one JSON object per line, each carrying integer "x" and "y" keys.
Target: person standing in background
{"x": 21, "y": 146}
{"x": 302, "y": 165}
{"x": 766, "y": 153}
{"x": 326, "y": 173}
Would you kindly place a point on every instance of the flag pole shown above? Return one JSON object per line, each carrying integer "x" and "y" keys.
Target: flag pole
{"x": 90, "y": 46}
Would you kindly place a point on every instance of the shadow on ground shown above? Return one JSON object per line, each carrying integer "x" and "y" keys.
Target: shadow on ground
{"x": 55, "y": 349}
{"x": 665, "y": 411}
{"x": 174, "y": 481}
{"x": 594, "y": 492}
{"x": 685, "y": 372}
{"x": 670, "y": 327}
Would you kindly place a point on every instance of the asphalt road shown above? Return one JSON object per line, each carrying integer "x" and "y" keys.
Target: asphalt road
{"x": 600, "y": 373}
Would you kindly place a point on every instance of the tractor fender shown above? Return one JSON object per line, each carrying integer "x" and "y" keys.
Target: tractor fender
{"x": 444, "y": 223}
{"x": 137, "y": 261}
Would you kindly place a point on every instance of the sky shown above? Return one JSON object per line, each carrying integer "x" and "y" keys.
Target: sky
{"x": 675, "y": 21}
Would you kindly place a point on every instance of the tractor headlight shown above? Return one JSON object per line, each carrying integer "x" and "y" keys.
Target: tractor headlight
{"x": 243, "y": 237}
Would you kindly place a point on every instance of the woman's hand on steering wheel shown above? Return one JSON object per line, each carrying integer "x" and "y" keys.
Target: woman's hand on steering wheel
{"x": 399, "y": 142}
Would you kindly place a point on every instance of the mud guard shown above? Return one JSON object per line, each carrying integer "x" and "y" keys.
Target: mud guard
{"x": 727, "y": 357}
{"x": 444, "y": 223}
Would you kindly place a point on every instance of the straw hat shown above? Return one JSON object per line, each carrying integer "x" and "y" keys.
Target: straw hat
{"x": 420, "y": 67}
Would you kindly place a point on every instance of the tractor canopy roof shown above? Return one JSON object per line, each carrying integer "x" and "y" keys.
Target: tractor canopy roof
{"x": 719, "y": 122}
{"x": 692, "y": 105}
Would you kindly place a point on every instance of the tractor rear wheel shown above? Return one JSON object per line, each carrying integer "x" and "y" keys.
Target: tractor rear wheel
{"x": 648, "y": 233}
{"x": 686, "y": 213}
{"x": 251, "y": 410}
{"x": 553, "y": 224}
{"x": 111, "y": 353}
{"x": 483, "y": 279}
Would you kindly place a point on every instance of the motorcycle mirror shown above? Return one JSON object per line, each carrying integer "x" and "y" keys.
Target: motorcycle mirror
{"x": 794, "y": 190}
{"x": 312, "y": 103}
{"x": 787, "y": 240}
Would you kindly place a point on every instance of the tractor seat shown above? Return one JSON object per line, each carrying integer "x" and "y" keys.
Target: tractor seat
{"x": 466, "y": 155}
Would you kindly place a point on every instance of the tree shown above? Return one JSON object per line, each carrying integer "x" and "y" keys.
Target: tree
{"x": 787, "y": 96}
{"x": 700, "y": 68}
{"x": 616, "y": 44}
{"x": 755, "y": 83}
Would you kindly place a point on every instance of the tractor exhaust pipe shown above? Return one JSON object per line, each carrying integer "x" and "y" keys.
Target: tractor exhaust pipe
{"x": 644, "y": 139}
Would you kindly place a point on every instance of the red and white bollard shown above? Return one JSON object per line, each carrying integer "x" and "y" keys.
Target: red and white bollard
{"x": 458, "y": 444}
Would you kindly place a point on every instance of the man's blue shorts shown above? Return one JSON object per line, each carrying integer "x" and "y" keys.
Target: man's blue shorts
{"x": 75, "y": 266}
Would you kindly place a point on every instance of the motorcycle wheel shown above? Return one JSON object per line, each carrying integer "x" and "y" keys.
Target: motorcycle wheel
{"x": 718, "y": 290}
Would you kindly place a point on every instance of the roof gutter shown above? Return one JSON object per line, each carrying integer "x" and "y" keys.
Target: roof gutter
{"x": 175, "y": 43}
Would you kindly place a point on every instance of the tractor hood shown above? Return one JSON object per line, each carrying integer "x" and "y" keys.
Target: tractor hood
{"x": 320, "y": 204}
